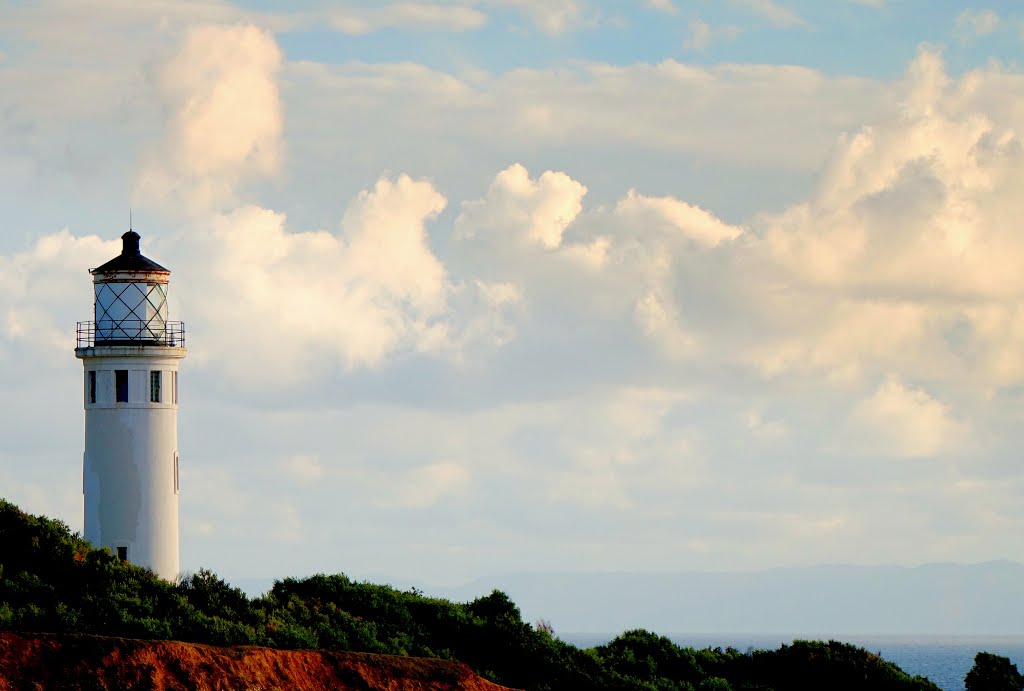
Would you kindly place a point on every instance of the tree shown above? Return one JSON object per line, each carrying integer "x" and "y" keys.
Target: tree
{"x": 993, "y": 673}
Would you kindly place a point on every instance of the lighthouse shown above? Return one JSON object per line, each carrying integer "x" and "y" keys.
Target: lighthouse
{"x": 130, "y": 351}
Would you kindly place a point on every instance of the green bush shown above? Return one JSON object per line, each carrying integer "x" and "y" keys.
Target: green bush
{"x": 52, "y": 580}
{"x": 993, "y": 673}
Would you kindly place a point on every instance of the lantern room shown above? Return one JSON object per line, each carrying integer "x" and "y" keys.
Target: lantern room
{"x": 130, "y": 306}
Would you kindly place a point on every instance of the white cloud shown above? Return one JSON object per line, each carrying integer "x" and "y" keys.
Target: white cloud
{"x": 285, "y": 525}
{"x": 776, "y": 13}
{"x": 482, "y": 317}
{"x": 902, "y": 422}
{"x": 407, "y": 15}
{"x": 225, "y": 119}
{"x": 425, "y": 487}
{"x": 702, "y": 35}
{"x": 971, "y": 24}
{"x": 675, "y": 216}
{"x": 551, "y": 16}
{"x": 660, "y": 320}
{"x": 619, "y": 451}
{"x": 870, "y": 275}
{"x": 904, "y": 260}
{"x": 666, "y": 6}
{"x": 538, "y": 212}
{"x": 766, "y": 430}
{"x": 120, "y": 26}
{"x": 45, "y": 290}
{"x": 304, "y": 470}
{"x": 354, "y": 298}
{"x": 789, "y": 121}
{"x": 616, "y": 262}
{"x": 358, "y": 295}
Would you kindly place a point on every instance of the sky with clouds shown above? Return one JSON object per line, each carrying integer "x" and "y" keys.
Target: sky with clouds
{"x": 479, "y": 286}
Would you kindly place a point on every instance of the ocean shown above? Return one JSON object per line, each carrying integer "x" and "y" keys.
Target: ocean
{"x": 943, "y": 659}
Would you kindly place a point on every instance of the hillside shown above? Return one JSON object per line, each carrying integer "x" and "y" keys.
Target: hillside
{"x": 71, "y": 662}
{"x": 52, "y": 581}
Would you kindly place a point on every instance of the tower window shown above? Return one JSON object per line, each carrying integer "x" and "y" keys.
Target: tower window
{"x": 91, "y": 376}
{"x": 174, "y": 387}
{"x": 175, "y": 472}
{"x": 154, "y": 386}
{"x": 121, "y": 385}
{"x": 122, "y": 552}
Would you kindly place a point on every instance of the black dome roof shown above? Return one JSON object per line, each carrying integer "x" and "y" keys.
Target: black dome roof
{"x": 130, "y": 259}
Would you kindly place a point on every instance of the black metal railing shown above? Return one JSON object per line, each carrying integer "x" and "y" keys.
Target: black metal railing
{"x": 131, "y": 332}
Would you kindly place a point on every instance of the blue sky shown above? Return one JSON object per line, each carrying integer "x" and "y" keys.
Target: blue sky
{"x": 828, "y": 36}
{"x": 501, "y": 285}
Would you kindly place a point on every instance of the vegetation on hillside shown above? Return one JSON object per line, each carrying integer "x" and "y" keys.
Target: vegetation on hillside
{"x": 993, "y": 673}
{"x": 51, "y": 580}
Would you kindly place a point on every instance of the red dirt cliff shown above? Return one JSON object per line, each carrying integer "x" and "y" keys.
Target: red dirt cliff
{"x": 42, "y": 661}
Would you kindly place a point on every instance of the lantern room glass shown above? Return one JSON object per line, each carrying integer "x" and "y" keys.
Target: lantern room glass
{"x": 130, "y": 311}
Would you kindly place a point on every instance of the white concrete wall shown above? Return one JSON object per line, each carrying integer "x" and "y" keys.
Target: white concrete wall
{"x": 129, "y": 470}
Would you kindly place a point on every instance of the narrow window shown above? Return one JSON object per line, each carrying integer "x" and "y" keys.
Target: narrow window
{"x": 175, "y": 472}
{"x": 174, "y": 387}
{"x": 122, "y": 553}
{"x": 92, "y": 386}
{"x": 154, "y": 386}
{"x": 121, "y": 385}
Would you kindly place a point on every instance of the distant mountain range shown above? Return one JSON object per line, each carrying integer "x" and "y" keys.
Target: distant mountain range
{"x": 932, "y": 599}
{"x": 947, "y": 599}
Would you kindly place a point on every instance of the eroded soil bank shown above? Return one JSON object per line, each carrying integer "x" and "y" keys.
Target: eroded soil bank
{"x": 96, "y": 663}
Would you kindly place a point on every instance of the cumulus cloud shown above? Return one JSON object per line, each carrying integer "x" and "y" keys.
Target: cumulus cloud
{"x": 902, "y": 422}
{"x": 348, "y": 298}
{"x": 904, "y": 259}
{"x": 661, "y": 321}
{"x": 353, "y": 297}
{"x": 357, "y": 295}
{"x": 224, "y": 119}
{"x": 616, "y": 262}
{"x": 668, "y": 214}
{"x": 526, "y": 215}
{"x": 894, "y": 282}
{"x": 538, "y": 212}
{"x": 910, "y": 237}
{"x": 45, "y": 290}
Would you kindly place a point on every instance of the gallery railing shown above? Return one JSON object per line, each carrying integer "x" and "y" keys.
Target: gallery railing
{"x": 131, "y": 332}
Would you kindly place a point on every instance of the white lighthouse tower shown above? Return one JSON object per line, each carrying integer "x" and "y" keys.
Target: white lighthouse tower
{"x": 131, "y": 352}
